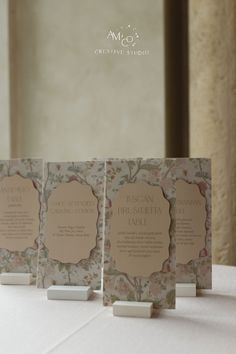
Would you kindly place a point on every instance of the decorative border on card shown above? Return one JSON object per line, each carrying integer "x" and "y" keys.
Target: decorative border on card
{"x": 87, "y": 271}
{"x": 197, "y": 171}
{"x": 159, "y": 287}
{"x": 25, "y": 261}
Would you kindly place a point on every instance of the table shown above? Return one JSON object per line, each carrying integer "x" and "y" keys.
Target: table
{"x": 31, "y": 324}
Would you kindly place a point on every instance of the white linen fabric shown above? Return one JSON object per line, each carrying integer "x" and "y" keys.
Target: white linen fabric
{"x": 32, "y": 324}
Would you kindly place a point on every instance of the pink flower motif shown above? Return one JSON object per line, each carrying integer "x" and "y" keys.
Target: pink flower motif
{"x": 203, "y": 253}
{"x": 109, "y": 203}
{"x": 155, "y": 173}
{"x": 72, "y": 178}
{"x": 180, "y": 162}
{"x": 154, "y": 289}
{"x": 204, "y": 270}
{"x": 166, "y": 267}
{"x": 122, "y": 287}
{"x": 203, "y": 187}
{"x": 18, "y": 262}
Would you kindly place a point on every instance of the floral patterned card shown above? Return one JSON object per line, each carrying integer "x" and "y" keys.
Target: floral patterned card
{"x": 139, "y": 255}
{"x": 72, "y": 224}
{"x": 193, "y": 221}
{"x": 20, "y": 208}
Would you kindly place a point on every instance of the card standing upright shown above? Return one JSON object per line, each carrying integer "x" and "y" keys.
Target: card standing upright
{"x": 72, "y": 224}
{"x": 193, "y": 222}
{"x": 20, "y": 212}
{"x": 139, "y": 255}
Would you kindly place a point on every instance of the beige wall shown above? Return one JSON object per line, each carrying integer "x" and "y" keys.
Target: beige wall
{"x": 213, "y": 111}
{"x": 67, "y": 102}
{"x": 4, "y": 82}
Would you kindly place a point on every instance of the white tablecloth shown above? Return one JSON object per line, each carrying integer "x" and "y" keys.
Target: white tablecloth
{"x": 30, "y": 324}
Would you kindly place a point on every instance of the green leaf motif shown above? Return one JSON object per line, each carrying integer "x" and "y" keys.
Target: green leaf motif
{"x": 170, "y": 298}
{"x": 114, "y": 298}
{"x": 130, "y": 296}
{"x": 60, "y": 266}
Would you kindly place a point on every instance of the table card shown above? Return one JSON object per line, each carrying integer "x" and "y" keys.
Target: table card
{"x": 20, "y": 209}
{"x": 193, "y": 221}
{"x": 139, "y": 256}
{"x": 72, "y": 226}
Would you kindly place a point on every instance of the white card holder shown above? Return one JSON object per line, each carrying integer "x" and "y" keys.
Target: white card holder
{"x": 132, "y": 309}
{"x": 186, "y": 290}
{"x": 69, "y": 292}
{"x": 16, "y": 278}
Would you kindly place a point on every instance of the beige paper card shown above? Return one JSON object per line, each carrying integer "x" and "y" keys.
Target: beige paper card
{"x": 71, "y": 222}
{"x": 193, "y": 222}
{"x": 190, "y": 221}
{"x": 19, "y": 213}
{"x": 139, "y": 255}
{"x": 139, "y": 228}
{"x": 20, "y": 207}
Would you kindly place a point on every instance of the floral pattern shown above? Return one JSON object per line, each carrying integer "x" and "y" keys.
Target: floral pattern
{"x": 87, "y": 271}
{"x": 25, "y": 261}
{"x": 159, "y": 287}
{"x": 198, "y": 171}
